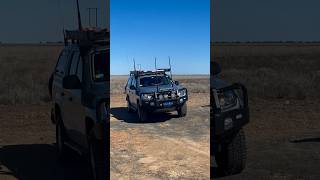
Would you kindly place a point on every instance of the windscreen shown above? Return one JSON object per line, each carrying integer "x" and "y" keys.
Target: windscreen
{"x": 154, "y": 80}
{"x": 101, "y": 66}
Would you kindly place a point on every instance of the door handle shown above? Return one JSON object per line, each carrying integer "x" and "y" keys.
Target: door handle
{"x": 70, "y": 98}
{"x": 62, "y": 94}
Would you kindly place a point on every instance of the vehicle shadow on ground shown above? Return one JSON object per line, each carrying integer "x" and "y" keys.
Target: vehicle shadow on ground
{"x": 216, "y": 172}
{"x": 122, "y": 114}
{"x": 39, "y": 161}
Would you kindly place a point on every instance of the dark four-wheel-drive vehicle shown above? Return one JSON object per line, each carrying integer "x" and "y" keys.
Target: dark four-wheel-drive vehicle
{"x": 155, "y": 91}
{"x": 79, "y": 87}
{"x": 229, "y": 113}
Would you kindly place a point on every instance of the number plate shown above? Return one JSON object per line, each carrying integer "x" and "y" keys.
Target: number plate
{"x": 167, "y": 104}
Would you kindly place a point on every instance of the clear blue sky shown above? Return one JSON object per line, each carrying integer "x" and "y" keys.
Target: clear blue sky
{"x": 266, "y": 20}
{"x": 145, "y": 29}
{"x": 32, "y": 21}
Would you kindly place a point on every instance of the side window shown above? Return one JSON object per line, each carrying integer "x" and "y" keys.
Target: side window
{"x": 134, "y": 82}
{"x": 79, "y": 69}
{"x": 129, "y": 82}
{"x": 60, "y": 68}
{"x": 74, "y": 63}
{"x": 101, "y": 67}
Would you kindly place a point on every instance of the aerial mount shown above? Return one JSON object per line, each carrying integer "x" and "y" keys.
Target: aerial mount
{"x": 86, "y": 36}
{"x": 157, "y": 71}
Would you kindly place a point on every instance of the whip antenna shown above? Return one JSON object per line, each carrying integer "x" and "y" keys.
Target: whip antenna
{"x": 61, "y": 15}
{"x": 155, "y": 66}
{"x": 79, "y": 16}
{"x": 170, "y": 67}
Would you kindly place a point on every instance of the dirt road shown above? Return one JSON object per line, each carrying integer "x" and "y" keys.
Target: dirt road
{"x": 27, "y": 149}
{"x": 166, "y": 147}
{"x": 283, "y": 141}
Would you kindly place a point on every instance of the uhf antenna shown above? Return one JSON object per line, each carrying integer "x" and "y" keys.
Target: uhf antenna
{"x": 170, "y": 67}
{"x": 134, "y": 64}
{"x": 61, "y": 15}
{"x": 96, "y": 13}
{"x": 79, "y": 16}
{"x": 155, "y": 66}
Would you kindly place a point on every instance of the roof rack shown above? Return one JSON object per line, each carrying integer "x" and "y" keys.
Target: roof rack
{"x": 144, "y": 73}
{"x": 87, "y": 37}
{"x": 164, "y": 70}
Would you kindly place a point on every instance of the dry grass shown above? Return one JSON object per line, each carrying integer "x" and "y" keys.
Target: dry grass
{"x": 24, "y": 73}
{"x": 194, "y": 83}
{"x": 272, "y": 71}
{"x": 25, "y": 70}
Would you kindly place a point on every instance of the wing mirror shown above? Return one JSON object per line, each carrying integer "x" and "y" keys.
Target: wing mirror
{"x": 71, "y": 82}
{"x": 176, "y": 83}
{"x": 215, "y": 68}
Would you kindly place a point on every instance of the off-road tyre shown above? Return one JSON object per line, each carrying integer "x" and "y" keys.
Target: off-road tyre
{"x": 182, "y": 111}
{"x": 142, "y": 114}
{"x": 129, "y": 109}
{"x": 96, "y": 158}
{"x": 232, "y": 158}
{"x": 60, "y": 137}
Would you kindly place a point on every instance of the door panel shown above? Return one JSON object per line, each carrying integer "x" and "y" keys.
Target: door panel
{"x": 133, "y": 94}
{"x": 74, "y": 111}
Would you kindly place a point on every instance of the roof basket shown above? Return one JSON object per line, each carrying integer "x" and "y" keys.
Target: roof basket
{"x": 144, "y": 73}
{"x": 164, "y": 70}
{"x": 87, "y": 37}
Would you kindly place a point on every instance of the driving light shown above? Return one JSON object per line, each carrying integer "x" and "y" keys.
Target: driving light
{"x": 160, "y": 97}
{"x": 239, "y": 116}
{"x": 146, "y": 97}
{"x": 173, "y": 94}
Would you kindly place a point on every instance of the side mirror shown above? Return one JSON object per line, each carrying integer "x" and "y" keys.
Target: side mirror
{"x": 71, "y": 82}
{"x": 176, "y": 83}
{"x": 215, "y": 68}
{"x": 132, "y": 87}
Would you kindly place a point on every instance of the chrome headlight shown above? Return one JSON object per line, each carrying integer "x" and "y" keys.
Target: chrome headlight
{"x": 182, "y": 92}
{"x": 227, "y": 99}
{"x": 147, "y": 97}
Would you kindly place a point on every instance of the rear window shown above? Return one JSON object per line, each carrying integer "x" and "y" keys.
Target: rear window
{"x": 101, "y": 66}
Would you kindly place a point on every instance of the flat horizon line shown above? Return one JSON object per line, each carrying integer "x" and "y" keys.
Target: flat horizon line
{"x": 172, "y": 75}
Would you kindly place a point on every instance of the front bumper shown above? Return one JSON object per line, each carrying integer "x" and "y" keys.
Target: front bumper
{"x": 225, "y": 124}
{"x": 164, "y": 105}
